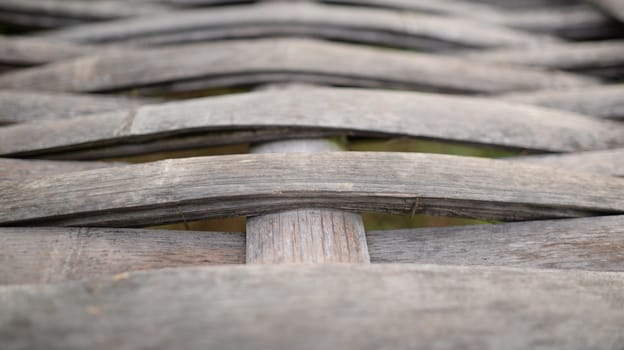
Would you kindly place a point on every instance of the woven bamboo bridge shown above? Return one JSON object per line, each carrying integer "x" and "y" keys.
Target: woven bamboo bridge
{"x": 126, "y": 124}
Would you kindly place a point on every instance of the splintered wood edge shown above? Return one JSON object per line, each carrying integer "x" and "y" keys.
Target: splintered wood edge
{"x": 245, "y": 185}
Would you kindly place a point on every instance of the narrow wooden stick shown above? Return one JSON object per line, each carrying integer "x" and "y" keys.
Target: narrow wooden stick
{"x": 305, "y": 235}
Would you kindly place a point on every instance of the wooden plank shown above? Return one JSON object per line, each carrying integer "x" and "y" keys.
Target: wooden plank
{"x": 28, "y": 51}
{"x": 605, "y": 101}
{"x": 177, "y": 190}
{"x": 304, "y": 18}
{"x": 58, "y": 13}
{"x": 22, "y": 106}
{"x": 570, "y": 21}
{"x": 304, "y": 110}
{"x": 317, "y": 236}
{"x": 194, "y": 67}
{"x": 54, "y": 254}
{"x": 581, "y": 56}
{"x": 585, "y": 244}
{"x": 19, "y": 169}
{"x": 310, "y": 307}
{"x": 607, "y": 162}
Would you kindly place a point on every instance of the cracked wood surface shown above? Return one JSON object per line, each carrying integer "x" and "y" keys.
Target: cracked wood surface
{"x": 222, "y": 186}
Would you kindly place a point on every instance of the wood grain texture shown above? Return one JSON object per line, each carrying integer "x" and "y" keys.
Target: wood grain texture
{"x": 317, "y": 236}
{"x": 606, "y": 162}
{"x": 19, "y": 169}
{"x": 53, "y": 254}
{"x": 605, "y": 101}
{"x": 584, "y": 244}
{"x": 22, "y": 106}
{"x": 194, "y": 67}
{"x": 305, "y": 235}
{"x": 312, "y": 307}
{"x": 177, "y": 190}
{"x": 304, "y": 110}
{"x": 581, "y": 56}
{"x": 291, "y": 18}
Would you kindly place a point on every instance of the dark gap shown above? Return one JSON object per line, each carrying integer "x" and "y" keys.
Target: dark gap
{"x": 380, "y": 221}
{"x": 233, "y": 224}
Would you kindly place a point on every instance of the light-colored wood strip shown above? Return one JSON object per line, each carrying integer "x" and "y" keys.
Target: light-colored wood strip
{"x": 311, "y": 307}
{"x": 19, "y": 169}
{"x": 215, "y": 64}
{"x": 317, "y": 236}
{"x": 605, "y": 101}
{"x": 53, "y": 254}
{"x": 267, "y": 18}
{"x": 22, "y": 106}
{"x": 177, "y": 190}
{"x": 607, "y": 162}
{"x": 581, "y": 56}
{"x": 304, "y": 110}
{"x": 584, "y": 244}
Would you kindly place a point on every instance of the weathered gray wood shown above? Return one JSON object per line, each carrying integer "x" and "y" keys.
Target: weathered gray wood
{"x": 305, "y": 235}
{"x": 383, "y": 27}
{"x": 570, "y": 21}
{"x": 53, "y": 254}
{"x": 314, "y": 307}
{"x": 193, "y": 67}
{"x": 19, "y": 170}
{"x": 21, "y": 106}
{"x": 27, "y": 51}
{"x": 581, "y": 56}
{"x": 350, "y": 111}
{"x": 605, "y": 101}
{"x": 585, "y": 244}
{"x": 56, "y": 13}
{"x": 177, "y": 190}
{"x": 607, "y": 162}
